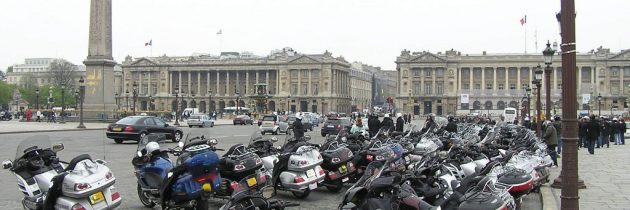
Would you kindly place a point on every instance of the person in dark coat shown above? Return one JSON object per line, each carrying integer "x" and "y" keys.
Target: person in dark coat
{"x": 387, "y": 123}
{"x": 593, "y": 129}
{"x": 400, "y": 122}
{"x": 429, "y": 123}
{"x": 622, "y": 130}
{"x": 558, "y": 126}
{"x": 298, "y": 127}
{"x": 373, "y": 125}
{"x": 582, "y": 132}
{"x": 551, "y": 139}
{"x": 451, "y": 126}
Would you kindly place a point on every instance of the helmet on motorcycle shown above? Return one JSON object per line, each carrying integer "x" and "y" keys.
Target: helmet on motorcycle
{"x": 398, "y": 114}
{"x": 152, "y": 146}
{"x": 298, "y": 115}
{"x": 386, "y": 115}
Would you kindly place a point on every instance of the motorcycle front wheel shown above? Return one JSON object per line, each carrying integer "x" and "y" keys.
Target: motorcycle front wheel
{"x": 144, "y": 199}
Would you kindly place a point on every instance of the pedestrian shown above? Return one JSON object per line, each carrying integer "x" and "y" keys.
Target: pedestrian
{"x": 54, "y": 117}
{"x": 387, "y": 122}
{"x": 582, "y": 132}
{"x": 400, "y": 122}
{"x": 593, "y": 129}
{"x": 551, "y": 139}
{"x": 357, "y": 127}
{"x": 607, "y": 131}
{"x": 526, "y": 123}
{"x": 614, "y": 136}
{"x": 373, "y": 124}
{"x": 622, "y": 131}
{"x": 39, "y": 116}
{"x": 451, "y": 126}
{"x": 298, "y": 127}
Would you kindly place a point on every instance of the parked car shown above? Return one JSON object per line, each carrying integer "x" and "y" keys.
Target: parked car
{"x": 274, "y": 124}
{"x": 137, "y": 127}
{"x": 243, "y": 120}
{"x": 334, "y": 125}
{"x": 200, "y": 120}
{"x": 308, "y": 126}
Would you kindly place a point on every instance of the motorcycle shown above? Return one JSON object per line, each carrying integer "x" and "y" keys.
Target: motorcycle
{"x": 237, "y": 163}
{"x": 49, "y": 183}
{"x": 195, "y": 176}
{"x": 255, "y": 192}
{"x": 297, "y": 168}
{"x": 5, "y": 116}
{"x": 151, "y": 167}
{"x": 337, "y": 164}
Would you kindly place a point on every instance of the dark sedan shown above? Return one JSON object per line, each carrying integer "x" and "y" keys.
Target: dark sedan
{"x": 136, "y": 127}
{"x": 243, "y": 120}
{"x": 334, "y": 125}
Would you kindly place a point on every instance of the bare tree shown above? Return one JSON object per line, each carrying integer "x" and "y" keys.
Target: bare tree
{"x": 63, "y": 72}
{"x": 28, "y": 80}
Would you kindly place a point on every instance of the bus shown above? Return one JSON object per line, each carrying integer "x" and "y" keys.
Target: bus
{"x": 509, "y": 114}
{"x": 232, "y": 110}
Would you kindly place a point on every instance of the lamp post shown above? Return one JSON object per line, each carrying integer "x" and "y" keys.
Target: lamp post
{"x": 50, "y": 97}
{"x": 599, "y": 104}
{"x": 63, "y": 103}
{"x": 528, "y": 92}
{"x": 538, "y": 73}
{"x": 81, "y": 97}
{"x": 176, "y": 107}
{"x": 37, "y": 98}
{"x": 135, "y": 96}
{"x": 209, "y": 100}
{"x": 288, "y": 101}
{"x": 76, "y": 99}
{"x": 548, "y": 55}
{"x": 117, "y": 101}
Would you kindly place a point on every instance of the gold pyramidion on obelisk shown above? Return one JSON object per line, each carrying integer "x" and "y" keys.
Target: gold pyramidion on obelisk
{"x": 99, "y": 81}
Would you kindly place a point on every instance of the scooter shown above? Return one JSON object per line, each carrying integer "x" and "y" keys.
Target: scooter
{"x": 47, "y": 183}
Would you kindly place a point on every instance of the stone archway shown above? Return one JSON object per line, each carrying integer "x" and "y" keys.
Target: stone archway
{"x": 501, "y": 105}
{"x": 241, "y": 103}
{"x": 488, "y": 105}
{"x": 213, "y": 106}
{"x": 272, "y": 106}
{"x": 202, "y": 106}
{"x": 221, "y": 106}
{"x": 476, "y": 105}
{"x": 184, "y": 104}
{"x": 231, "y": 104}
{"x": 193, "y": 104}
{"x": 513, "y": 104}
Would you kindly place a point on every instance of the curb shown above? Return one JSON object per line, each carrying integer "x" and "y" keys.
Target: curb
{"x": 549, "y": 200}
{"x": 44, "y": 131}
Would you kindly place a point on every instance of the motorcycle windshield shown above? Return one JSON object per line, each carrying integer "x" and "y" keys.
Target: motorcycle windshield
{"x": 33, "y": 143}
{"x": 198, "y": 137}
{"x": 256, "y": 136}
{"x": 150, "y": 138}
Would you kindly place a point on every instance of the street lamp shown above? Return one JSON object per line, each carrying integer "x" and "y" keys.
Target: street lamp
{"x": 288, "y": 101}
{"x": 127, "y": 99}
{"x": 81, "y": 98}
{"x": 63, "y": 104}
{"x": 538, "y": 73}
{"x": 548, "y": 55}
{"x": 176, "y": 107}
{"x": 135, "y": 96}
{"x": 117, "y": 101}
{"x": 76, "y": 99}
{"x": 37, "y": 98}
{"x": 50, "y": 97}
{"x": 599, "y": 104}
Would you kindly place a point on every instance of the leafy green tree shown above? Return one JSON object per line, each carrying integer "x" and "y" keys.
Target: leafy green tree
{"x": 6, "y": 93}
{"x": 44, "y": 92}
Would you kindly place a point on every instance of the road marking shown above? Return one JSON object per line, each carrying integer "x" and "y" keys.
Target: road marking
{"x": 240, "y": 135}
{"x": 218, "y": 137}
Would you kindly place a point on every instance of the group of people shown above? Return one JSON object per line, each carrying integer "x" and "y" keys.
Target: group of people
{"x": 28, "y": 115}
{"x": 595, "y": 132}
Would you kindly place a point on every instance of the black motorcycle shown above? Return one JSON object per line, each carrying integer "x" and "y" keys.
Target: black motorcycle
{"x": 337, "y": 164}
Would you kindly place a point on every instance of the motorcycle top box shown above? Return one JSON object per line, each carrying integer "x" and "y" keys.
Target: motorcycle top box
{"x": 239, "y": 162}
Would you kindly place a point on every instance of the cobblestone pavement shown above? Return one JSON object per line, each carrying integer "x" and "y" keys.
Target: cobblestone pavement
{"x": 607, "y": 178}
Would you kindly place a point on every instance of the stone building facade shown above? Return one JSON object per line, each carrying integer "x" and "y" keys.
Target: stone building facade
{"x": 36, "y": 72}
{"x": 435, "y": 83}
{"x": 287, "y": 79}
{"x": 361, "y": 79}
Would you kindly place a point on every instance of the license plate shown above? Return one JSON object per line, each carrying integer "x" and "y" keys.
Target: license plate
{"x": 310, "y": 173}
{"x": 345, "y": 179}
{"x": 116, "y": 129}
{"x": 96, "y": 198}
{"x": 343, "y": 169}
{"x": 251, "y": 181}
{"x": 331, "y": 126}
{"x": 312, "y": 186}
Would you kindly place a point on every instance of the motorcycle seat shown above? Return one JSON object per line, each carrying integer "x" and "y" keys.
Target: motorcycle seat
{"x": 73, "y": 163}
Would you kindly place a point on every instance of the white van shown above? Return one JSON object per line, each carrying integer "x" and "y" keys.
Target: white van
{"x": 509, "y": 114}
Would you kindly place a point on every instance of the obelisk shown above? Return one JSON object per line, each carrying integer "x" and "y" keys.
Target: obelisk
{"x": 99, "y": 86}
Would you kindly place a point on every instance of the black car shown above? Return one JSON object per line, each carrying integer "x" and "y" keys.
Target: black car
{"x": 243, "y": 120}
{"x": 136, "y": 127}
{"x": 333, "y": 125}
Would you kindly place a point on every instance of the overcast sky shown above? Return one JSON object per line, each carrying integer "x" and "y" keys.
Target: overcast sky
{"x": 370, "y": 31}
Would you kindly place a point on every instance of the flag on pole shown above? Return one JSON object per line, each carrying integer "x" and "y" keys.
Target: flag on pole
{"x": 219, "y": 32}
{"x": 150, "y": 43}
{"x": 523, "y": 20}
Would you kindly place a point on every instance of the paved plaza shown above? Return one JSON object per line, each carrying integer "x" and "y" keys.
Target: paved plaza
{"x": 607, "y": 179}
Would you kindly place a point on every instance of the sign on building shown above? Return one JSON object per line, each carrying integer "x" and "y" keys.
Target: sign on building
{"x": 465, "y": 98}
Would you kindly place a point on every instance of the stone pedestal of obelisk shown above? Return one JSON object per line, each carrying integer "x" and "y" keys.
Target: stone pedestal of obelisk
{"x": 99, "y": 82}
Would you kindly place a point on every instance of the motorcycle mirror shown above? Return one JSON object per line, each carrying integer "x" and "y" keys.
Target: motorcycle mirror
{"x": 274, "y": 139}
{"x": 57, "y": 147}
{"x": 180, "y": 144}
{"x": 7, "y": 164}
{"x": 213, "y": 141}
{"x": 268, "y": 192}
{"x": 139, "y": 154}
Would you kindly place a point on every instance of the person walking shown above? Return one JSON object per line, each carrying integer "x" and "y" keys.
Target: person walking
{"x": 608, "y": 133}
{"x": 558, "y": 126}
{"x": 298, "y": 127}
{"x": 387, "y": 123}
{"x": 592, "y": 133}
{"x": 373, "y": 124}
{"x": 551, "y": 139}
{"x": 622, "y": 131}
{"x": 400, "y": 122}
